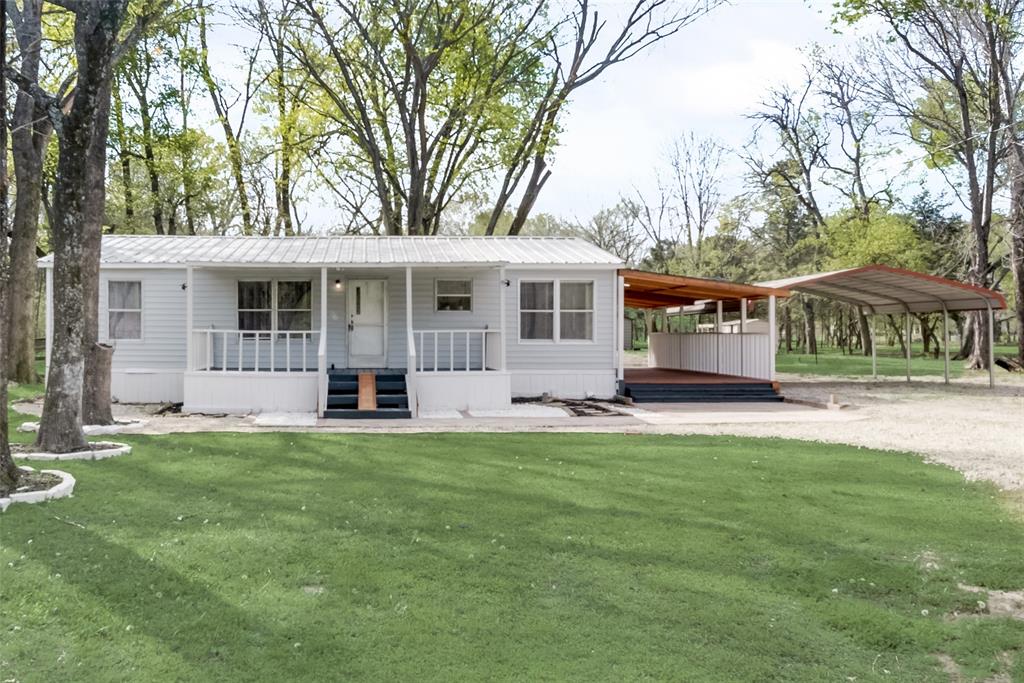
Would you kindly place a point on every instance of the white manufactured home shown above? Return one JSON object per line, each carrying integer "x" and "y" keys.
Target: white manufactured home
{"x": 351, "y": 326}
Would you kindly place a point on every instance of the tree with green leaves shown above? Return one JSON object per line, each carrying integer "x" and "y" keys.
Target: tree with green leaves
{"x": 939, "y": 71}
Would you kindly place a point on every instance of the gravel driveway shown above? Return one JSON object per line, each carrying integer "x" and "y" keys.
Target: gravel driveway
{"x": 974, "y": 429}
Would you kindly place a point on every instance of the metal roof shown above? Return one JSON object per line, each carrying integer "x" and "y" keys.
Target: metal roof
{"x": 347, "y": 250}
{"x": 883, "y": 289}
{"x": 657, "y": 290}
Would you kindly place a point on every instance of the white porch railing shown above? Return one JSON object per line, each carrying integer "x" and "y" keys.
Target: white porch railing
{"x": 456, "y": 350}
{"x": 740, "y": 355}
{"x": 249, "y": 351}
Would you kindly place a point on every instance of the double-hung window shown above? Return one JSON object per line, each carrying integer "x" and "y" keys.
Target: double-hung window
{"x": 124, "y": 309}
{"x": 575, "y": 310}
{"x": 537, "y": 310}
{"x": 556, "y": 310}
{"x": 275, "y": 305}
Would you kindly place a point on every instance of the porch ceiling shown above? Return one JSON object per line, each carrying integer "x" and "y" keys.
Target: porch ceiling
{"x": 656, "y": 290}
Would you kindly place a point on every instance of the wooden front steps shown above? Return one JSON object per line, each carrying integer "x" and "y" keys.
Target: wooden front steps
{"x": 366, "y": 395}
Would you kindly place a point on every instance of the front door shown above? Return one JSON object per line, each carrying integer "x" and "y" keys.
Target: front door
{"x": 367, "y": 323}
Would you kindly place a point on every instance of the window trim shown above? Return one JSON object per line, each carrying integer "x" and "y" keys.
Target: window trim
{"x": 556, "y": 332}
{"x": 274, "y": 330}
{"x": 471, "y": 296}
{"x": 139, "y": 310}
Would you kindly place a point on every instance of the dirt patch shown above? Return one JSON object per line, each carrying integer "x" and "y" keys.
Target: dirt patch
{"x": 952, "y": 669}
{"x": 928, "y": 561}
{"x": 36, "y": 481}
{"x": 998, "y": 603}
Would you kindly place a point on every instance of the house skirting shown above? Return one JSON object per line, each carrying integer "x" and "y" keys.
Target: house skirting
{"x": 564, "y": 384}
{"x": 147, "y": 385}
{"x": 463, "y": 391}
{"x": 250, "y": 392}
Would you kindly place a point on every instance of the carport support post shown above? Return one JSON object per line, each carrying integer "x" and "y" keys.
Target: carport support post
{"x": 772, "y": 334}
{"x": 991, "y": 347}
{"x": 743, "y": 331}
{"x": 945, "y": 343}
{"x": 906, "y": 328}
{"x": 874, "y": 348}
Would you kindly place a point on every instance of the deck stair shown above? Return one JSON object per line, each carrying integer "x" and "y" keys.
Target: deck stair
{"x": 752, "y": 392}
{"x": 366, "y": 395}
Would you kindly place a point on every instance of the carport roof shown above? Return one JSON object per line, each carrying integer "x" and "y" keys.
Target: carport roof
{"x": 884, "y": 289}
{"x": 656, "y": 290}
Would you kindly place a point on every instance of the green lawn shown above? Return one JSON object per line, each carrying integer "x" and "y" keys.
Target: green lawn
{"x": 891, "y": 362}
{"x": 528, "y": 557}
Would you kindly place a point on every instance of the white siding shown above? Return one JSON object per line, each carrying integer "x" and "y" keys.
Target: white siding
{"x": 163, "y": 320}
{"x": 598, "y": 354}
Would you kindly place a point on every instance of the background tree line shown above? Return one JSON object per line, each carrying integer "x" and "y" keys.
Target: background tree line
{"x": 420, "y": 117}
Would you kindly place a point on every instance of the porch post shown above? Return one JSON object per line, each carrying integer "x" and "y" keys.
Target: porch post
{"x": 874, "y": 348}
{"x": 945, "y": 342}
{"x": 49, "y": 319}
{"x": 718, "y": 316}
{"x": 743, "y": 331}
{"x": 502, "y": 287}
{"x": 189, "y": 299}
{"x": 323, "y": 302}
{"x": 620, "y": 298}
{"x": 991, "y": 347}
{"x": 772, "y": 333}
{"x": 408, "y": 310}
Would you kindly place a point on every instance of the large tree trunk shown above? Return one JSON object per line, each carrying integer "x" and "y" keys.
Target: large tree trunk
{"x": 30, "y": 134}
{"x": 865, "y": 332}
{"x": 9, "y": 472}
{"x": 125, "y": 158}
{"x": 1017, "y": 245}
{"x": 96, "y": 382}
{"x": 96, "y": 27}
{"x": 810, "y": 335}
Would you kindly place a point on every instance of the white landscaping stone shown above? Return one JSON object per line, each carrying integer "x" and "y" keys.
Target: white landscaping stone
{"x": 91, "y": 454}
{"x": 90, "y": 430}
{"x": 62, "y": 490}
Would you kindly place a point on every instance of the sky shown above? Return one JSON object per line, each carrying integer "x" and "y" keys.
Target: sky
{"x": 705, "y": 79}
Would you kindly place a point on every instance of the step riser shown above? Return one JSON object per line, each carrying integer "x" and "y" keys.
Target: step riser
{"x": 367, "y": 414}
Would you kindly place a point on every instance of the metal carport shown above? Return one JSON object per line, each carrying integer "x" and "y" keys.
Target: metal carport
{"x": 879, "y": 289}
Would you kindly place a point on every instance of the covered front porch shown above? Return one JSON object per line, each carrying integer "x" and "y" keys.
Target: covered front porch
{"x": 721, "y": 362}
{"x": 267, "y": 339}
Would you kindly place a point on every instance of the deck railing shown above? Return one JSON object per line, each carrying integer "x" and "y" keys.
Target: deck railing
{"x": 456, "y": 350}
{"x": 250, "y": 351}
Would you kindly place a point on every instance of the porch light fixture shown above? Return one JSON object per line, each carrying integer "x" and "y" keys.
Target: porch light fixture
{"x": 337, "y": 284}
{"x": 507, "y": 283}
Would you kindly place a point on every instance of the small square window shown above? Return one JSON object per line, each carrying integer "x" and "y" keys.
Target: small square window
{"x": 454, "y": 295}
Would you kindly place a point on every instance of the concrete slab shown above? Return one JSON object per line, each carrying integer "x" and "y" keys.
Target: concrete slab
{"x": 519, "y": 410}
{"x": 284, "y": 420}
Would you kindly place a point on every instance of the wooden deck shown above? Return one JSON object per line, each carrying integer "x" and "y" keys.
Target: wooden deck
{"x": 669, "y": 376}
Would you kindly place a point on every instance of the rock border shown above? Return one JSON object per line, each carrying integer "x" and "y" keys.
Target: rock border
{"x": 62, "y": 490}
{"x": 89, "y": 430}
{"x": 114, "y": 450}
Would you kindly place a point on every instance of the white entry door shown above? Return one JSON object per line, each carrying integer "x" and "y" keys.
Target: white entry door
{"x": 367, "y": 323}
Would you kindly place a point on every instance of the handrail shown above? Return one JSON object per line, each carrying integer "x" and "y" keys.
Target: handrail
{"x": 465, "y": 346}
{"x": 217, "y": 350}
